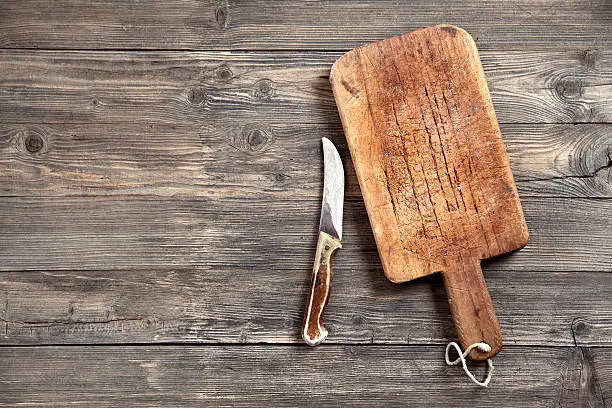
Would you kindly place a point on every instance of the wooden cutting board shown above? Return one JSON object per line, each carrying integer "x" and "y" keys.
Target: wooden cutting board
{"x": 432, "y": 166}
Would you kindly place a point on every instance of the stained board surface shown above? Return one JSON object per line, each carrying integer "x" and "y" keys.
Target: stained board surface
{"x": 428, "y": 152}
{"x": 432, "y": 166}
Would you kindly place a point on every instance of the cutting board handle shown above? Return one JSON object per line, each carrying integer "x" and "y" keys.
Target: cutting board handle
{"x": 471, "y": 306}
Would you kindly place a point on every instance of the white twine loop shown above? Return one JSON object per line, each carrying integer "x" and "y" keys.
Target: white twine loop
{"x": 484, "y": 347}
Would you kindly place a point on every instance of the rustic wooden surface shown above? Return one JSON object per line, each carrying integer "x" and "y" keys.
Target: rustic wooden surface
{"x": 160, "y": 177}
{"x": 432, "y": 167}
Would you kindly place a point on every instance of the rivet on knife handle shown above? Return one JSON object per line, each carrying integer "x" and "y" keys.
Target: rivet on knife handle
{"x": 313, "y": 331}
{"x": 330, "y": 236}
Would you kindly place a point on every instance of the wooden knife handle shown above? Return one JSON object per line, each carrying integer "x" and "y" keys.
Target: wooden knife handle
{"x": 471, "y": 306}
{"x": 313, "y": 331}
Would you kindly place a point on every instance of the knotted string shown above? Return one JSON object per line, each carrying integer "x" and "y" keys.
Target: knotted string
{"x": 484, "y": 347}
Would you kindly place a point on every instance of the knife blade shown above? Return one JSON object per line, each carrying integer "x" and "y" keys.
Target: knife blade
{"x": 330, "y": 236}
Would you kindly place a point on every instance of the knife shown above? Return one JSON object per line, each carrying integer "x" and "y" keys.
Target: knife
{"x": 330, "y": 236}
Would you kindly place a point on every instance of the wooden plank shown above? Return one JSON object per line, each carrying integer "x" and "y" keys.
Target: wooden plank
{"x": 597, "y": 387}
{"x": 279, "y": 159}
{"x": 270, "y": 234}
{"x": 290, "y": 376}
{"x": 337, "y": 25}
{"x": 585, "y": 381}
{"x": 258, "y": 305}
{"x": 561, "y": 161}
{"x": 178, "y": 88}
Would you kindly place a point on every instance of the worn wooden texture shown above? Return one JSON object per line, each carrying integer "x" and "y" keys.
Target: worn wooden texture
{"x": 432, "y": 167}
{"x": 159, "y": 138}
{"x": 295, "y": 24}
{"x": 282, "y": 376}
{"x": 245, "y": 160}
{"x": 197, "y": 88}
{"x": 96, "y": 233}
{"x": 249, "y": 304}
{"x": 425, "y": 207}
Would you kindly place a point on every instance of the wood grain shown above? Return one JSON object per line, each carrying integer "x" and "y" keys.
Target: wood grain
{"x": 88, "y": 233}
{"x": 561, "y": 160}
{"x": 428, "y": 152}
{"x": 40, "y": 87}
{"x": 269, "y": 158}
{"x": 206, "y": 147}
{"x": 280, "y": 376}
{"x": 321, "y": 25}
{"x": 432, "y": 166}
{"x": 249, "y": 305}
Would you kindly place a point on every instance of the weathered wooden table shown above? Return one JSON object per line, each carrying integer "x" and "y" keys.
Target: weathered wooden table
{"x": 160, "y": 180}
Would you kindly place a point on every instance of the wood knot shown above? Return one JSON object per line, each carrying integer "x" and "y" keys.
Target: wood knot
{"x": 569, "y": 88}
{"x": 197, "y": 96}
{"x": 281, "y": 178}
{"x": 255, "y": 138}
{"x": 33, "y": 140}
{"x": 223, "y": 72}
{"x": 262, "y": 90}
{"x": 252, "y": 138}
{"x": 580, "y": 328}
{"x": 33, "y": 143}
{"x": 358, "y": 320}
{"x": 222, "y": 14}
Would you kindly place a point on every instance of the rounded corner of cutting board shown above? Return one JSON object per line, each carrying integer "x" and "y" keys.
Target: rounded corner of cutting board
{"x": 449, "y": 32}
{"x": 523, "y": 239}
{"x": 337, "y": 64}
{"x": 453, "y": 30}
